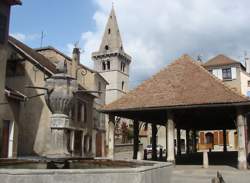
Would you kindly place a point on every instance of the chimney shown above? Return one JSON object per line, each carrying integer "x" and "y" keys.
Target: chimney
{"x": 75, "y": 61}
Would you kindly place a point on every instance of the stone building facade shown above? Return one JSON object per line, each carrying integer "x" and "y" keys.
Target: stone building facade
{"x": 90, "y": 80}
{"x": 26, "y": 73}
{"x": 7, "y": 98}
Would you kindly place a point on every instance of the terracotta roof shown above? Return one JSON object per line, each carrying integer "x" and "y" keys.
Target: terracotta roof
{"x": 38, "y": 59}
{"x": 220, "y": 60}
{"x": 182, "y": 83}
{"x": 13, "y": 2}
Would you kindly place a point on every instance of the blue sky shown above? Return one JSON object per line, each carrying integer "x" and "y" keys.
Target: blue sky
{"x": 61, "y": 20}
{"x": 154, "y": 32}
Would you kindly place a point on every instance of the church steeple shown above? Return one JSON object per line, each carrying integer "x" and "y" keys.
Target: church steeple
{"x": 111, "y": 61}
{"x": 111, "y": 39}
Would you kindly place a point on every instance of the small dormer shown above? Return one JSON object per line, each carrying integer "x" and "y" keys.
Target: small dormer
{"x": 223, "y": 67}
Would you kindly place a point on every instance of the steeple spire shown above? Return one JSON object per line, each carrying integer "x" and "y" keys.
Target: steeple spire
{"x": 111, "y": 39}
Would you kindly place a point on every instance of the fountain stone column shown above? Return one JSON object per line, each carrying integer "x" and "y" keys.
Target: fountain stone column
{"x": 59, "y": 98}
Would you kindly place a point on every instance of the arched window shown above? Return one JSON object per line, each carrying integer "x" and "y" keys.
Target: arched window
{"x": 106, "y": 47}
{"x": 109, "y": 31}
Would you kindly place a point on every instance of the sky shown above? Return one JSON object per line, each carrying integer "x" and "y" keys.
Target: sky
{"x": 154, "y": 32}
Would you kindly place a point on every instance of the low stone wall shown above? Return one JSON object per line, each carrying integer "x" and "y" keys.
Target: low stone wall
{"x": 125, "y": 147}
{"x": 160, "y": 172}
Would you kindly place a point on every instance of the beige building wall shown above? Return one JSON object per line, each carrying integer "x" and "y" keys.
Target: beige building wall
{"x": 244, "y": 79}
{"x": 34, "y": 114}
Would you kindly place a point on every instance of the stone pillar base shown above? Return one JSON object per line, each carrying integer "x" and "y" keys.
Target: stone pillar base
{"x": 59, "y": 137}
{"x": 205, "y": 159}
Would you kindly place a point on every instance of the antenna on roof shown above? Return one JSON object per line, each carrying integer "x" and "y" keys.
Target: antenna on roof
{"x": 42, "y": 37}
{"x": 76, "y": 44}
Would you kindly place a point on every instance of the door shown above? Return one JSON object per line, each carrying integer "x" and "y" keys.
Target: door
{"x": 99, "y": 144}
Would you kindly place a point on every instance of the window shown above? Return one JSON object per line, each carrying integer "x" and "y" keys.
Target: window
{"x": 99, "y": 87}
{"x": 248, "y": 83}
{"x": 81, "y": 112}
{"x": 103, "y": 66}
{"x": 15, "y": 68}
{"x": 226, "y": 73}
{"x": 123, "y": 66}
{"x": 106, "y": 47}
{"x": 108, "y": 65}
{"x": 123, "y": 85}
{"x": 109, "y": 31}
{"x": 3, "y": 28}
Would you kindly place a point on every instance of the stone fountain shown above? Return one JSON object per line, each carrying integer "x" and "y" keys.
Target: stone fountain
{"x": 60, "y": 89}
{"x": 59, "y": 98}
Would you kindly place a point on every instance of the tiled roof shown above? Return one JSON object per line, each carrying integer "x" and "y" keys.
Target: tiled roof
{"x": 220, "y": 60}
{"x": 38, "y": 59}
{"x": 182, "y": 83}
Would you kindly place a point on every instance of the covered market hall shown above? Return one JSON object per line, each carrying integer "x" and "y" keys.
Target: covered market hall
{"x": 183, "y": 96}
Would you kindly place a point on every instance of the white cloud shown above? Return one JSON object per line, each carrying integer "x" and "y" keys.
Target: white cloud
{"x": 155, "y": 32}
{"x": 19, "y": 36}
{"x": 23, "y": 37}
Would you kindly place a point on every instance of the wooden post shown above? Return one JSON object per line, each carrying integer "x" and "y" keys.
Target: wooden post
{"x": 194, "y": 149}
{"x": 178, "y": 142}
{"x": 187, "y": 141}
{"x": 242, "y": 152}
{"x": 111, "y": 137}
{"x": 170, "y": 137}
{"x": 154, "y": 143}
{"x": 136, "y": 139}
{"x": 224, "y": 140}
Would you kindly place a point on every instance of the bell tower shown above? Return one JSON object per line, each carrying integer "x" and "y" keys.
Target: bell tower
{"x": 111, "y": 61}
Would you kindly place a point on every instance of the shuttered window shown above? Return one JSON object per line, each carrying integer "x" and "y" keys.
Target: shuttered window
{"x": 221, "y": 138}
{"x": 202, "y": 135}
{"x": 216, "y": 140}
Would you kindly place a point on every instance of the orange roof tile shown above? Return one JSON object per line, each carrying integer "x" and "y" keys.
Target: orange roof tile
{"x": 182, "y": 83}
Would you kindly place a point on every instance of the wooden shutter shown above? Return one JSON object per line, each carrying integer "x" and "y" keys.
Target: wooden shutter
{"x": 202, "y": 135}
{"x": 227, "y": 137}
{"x": 221, "y": 137}
{"x": 216, "y": 140}
{"x": 233, "y": 70}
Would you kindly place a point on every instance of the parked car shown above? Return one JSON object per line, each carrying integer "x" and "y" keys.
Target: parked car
{"x": 158, "y": 147}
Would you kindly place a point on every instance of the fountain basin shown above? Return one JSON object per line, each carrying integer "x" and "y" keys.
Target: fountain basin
{"x": 89, "y": 171}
